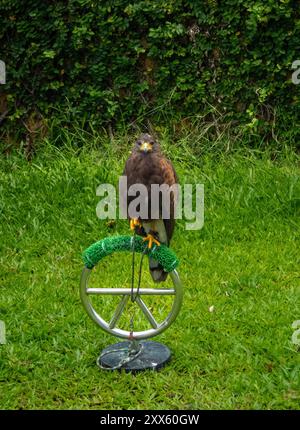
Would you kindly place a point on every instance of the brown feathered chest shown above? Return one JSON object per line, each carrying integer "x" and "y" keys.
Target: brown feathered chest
{"x": 148, "y": 169}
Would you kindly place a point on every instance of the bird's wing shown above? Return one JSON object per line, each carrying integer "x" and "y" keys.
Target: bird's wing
{"x": 169, "y": 178}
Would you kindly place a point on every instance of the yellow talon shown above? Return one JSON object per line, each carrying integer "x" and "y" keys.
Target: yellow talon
{"x": 134, "y": 222}
{"x": 151, "y": 240}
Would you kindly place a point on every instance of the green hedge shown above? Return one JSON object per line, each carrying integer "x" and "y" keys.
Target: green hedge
{"x": 117, "y": 61}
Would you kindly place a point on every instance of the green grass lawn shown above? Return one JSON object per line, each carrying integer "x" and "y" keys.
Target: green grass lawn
{"x": 244, "y": 263}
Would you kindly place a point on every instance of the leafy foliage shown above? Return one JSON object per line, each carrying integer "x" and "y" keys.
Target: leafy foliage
{"x": 114, "y": 62}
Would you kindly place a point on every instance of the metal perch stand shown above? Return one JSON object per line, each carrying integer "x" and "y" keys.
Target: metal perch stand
{"x": 134, "y": 354}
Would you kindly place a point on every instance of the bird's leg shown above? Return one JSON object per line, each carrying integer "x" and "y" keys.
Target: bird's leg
{"x": 151, "y": 239}
{"x": 151, "y": 236}
{"x": 135, "y": 222}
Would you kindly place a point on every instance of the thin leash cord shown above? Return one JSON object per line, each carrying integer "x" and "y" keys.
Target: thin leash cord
{"x": 133, "y": 297}
{"x": 132, "y": 266}
{"x": 127, "y": 359}
{"x": 133, "y": 355}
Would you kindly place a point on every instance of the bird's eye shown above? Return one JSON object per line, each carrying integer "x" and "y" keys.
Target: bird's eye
{"x": 139, "y": 142}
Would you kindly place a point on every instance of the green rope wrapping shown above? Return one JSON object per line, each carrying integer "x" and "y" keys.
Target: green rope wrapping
{"x": 94, "y": 253}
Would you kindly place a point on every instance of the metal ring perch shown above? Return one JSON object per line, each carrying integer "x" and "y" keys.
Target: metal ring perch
{"x": 122, "y": 243}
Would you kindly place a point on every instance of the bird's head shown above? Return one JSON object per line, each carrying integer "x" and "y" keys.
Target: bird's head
{"x": 146, "y": 144}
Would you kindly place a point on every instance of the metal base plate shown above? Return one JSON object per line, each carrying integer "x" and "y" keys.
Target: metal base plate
{"x": 153, "y": 355}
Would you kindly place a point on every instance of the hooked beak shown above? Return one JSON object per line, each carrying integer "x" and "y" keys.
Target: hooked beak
{"x": 146, "y": 147}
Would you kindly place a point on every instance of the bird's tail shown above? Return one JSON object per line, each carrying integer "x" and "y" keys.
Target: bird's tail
{"x": 156, "y": 270}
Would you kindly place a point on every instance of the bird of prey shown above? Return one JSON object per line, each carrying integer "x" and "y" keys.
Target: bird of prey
{"x": 147, "y": 165}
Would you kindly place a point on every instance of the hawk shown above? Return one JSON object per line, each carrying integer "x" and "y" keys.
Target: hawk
{"x": 147, "y": 165}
